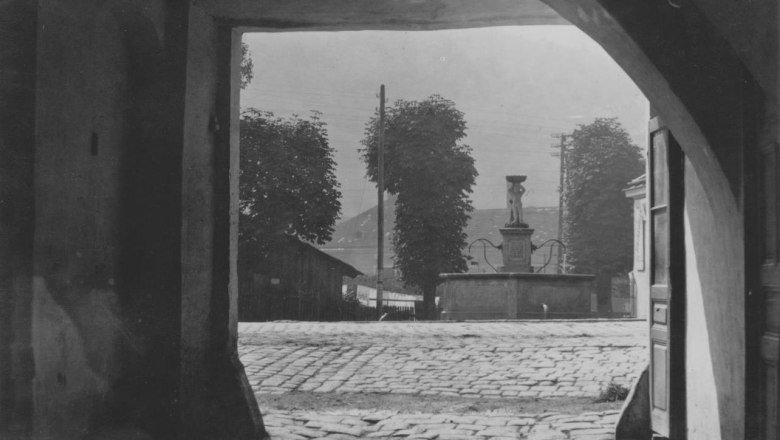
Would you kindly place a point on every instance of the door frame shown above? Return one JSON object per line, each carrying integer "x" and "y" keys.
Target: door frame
{"x": 672, "y": 422}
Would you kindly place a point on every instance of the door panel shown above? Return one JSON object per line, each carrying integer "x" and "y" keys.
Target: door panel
{"x": 660, "y": 249}
{"x": 764, "y": 299}
{"x": 770, "y": 348}
{"x": 660, "y": 377}
{"x": 667, "y": 279}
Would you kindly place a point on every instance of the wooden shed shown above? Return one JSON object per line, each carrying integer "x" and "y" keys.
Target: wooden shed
{"x": 297, "y": 281}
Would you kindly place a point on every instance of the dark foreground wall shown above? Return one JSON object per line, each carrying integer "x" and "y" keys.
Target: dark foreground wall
{"x": 107, "y": 280}
{"x": 118, "y": 250}
{"x": 18, "y": 23}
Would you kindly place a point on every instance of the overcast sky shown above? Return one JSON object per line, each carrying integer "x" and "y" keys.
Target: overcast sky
{"x": 516, "y": 86}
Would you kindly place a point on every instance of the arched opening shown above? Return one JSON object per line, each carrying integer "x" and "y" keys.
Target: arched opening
{"x": 712, "y": 172}
{"x": 442, "y": 383}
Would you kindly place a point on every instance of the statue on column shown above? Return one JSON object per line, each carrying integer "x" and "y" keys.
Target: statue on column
{"x": 514, "y": 196}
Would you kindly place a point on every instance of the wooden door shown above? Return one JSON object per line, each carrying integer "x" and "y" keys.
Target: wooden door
{"x": 667, "y": 279}
{"x": 764, "y": 303}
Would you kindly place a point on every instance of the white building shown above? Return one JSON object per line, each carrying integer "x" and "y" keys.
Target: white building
{"x": 640, "y": 286}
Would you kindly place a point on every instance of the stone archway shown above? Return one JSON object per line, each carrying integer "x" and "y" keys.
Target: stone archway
{"x": 679, "y": 65}
{"x": 698, "y": 86}
{"x": 675, "y": 55}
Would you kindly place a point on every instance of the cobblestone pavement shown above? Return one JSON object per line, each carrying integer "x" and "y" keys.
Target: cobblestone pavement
{"x": 364, "y": 424}
{"x": 512, "y": 359}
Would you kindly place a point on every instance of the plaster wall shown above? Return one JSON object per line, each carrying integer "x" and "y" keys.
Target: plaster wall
{"x": 80, "y": 92}
{"x": 751, "y": 28}
{"x": 641, "y": 258}
{"x": 715, "y": 327}
{"x": 198, "y": 206}
{"x": 397, "y": 14}
{"x": 133, "y": 309}
{"x": 105, "y": 280}
{"x": 217, "y": 401}
{"x": 18, "y": 26}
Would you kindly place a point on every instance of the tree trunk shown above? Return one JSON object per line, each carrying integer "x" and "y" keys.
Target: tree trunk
{"x": 429, "y": 303}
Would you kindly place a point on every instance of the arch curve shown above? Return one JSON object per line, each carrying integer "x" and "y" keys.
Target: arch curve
{"x": 640, "y": 62}
{"x": 701, "y": 90}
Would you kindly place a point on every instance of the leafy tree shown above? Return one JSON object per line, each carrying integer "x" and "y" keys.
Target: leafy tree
{"x": 432, "y": 174}
{"x": 287, "y": 182}
{"x": 598, "y": 228}
{"x": 246, "y": 66}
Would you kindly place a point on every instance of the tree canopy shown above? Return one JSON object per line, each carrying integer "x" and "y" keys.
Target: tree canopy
{"x": 432, "y": 173}
{"x": 598, "y": 227}
{"x": 287, "y": 181}
{"x": 247, "y": 66}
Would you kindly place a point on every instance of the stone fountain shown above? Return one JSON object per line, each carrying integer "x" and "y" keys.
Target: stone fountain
{"x": 516, "y": 292}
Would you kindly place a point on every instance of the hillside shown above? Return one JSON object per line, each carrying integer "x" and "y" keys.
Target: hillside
{"x": 354, "y": 239}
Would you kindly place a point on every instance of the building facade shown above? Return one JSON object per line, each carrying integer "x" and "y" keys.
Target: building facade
{"x": 640, "y": 283}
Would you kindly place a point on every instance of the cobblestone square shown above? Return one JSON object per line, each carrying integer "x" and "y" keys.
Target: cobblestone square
{"x": 440, "y": 360}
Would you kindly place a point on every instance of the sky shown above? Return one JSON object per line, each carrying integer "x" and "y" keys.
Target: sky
{"x": 517, "y": 86}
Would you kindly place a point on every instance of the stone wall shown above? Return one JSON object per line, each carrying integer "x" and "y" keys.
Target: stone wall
{"x": 480, "y": 296}
{"x": 715, "y": 348}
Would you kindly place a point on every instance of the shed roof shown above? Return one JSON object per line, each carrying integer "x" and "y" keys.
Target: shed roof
{"x": 346, "y": 268}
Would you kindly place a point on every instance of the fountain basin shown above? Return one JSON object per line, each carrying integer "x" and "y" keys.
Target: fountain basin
{"x": 514, "y": 295}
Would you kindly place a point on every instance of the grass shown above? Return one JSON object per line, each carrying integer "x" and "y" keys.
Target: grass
{"x": 613, "y": 392}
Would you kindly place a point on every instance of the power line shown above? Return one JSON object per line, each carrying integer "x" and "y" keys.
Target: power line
{"x": 364, "y": 116}
{"x": 292, "y": 91}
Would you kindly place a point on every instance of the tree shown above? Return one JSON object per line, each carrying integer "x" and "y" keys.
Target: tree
{"x": 598, "y": 228}
{"x": 287, "y": 182}
{"x": 432, "y": 174}
{"x": 247, "y": 66}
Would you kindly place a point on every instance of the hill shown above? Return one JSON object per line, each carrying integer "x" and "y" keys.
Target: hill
{"x": 354, "y": 239}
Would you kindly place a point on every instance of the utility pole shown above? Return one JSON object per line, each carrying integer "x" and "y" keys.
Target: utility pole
{"x": 380, "y": 221}
{"x": 562, "y": 154}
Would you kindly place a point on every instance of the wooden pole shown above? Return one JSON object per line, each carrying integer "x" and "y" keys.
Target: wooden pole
{"x": 562, "y": 154}
{"x": 560, "y": 203}
{"x": 380, "y": 221}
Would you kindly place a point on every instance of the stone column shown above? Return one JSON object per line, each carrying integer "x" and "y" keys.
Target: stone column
{"x": 516, "y": 249}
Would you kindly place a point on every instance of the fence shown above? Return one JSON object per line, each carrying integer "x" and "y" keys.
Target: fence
{"x": 355, "y": 311}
